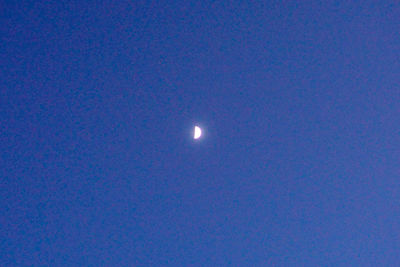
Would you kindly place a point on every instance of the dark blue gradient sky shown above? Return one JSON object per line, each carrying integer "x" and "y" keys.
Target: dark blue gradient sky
{"x": 299, "y": 164}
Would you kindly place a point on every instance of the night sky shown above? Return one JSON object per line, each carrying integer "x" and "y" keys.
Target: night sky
{"x": 298, "y": 164}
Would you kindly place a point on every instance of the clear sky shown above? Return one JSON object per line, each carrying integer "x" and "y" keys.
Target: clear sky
{"x": 298, "y": 165}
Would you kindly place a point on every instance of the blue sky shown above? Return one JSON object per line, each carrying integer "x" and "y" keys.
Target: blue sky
{"x": 299, "y": 102}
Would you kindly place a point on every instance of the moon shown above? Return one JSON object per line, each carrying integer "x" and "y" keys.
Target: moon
{"x": 197, "y": 132}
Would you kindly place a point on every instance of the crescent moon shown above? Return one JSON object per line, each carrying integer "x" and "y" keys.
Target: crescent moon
{"x": 197, "y": 132}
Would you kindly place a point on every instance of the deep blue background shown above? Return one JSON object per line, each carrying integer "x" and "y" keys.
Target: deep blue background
{"x": 298, "y": 166}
